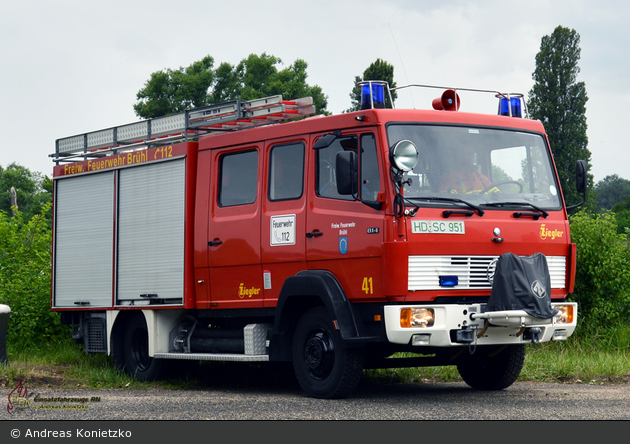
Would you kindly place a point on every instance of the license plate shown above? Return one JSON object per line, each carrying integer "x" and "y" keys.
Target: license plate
{"x": 438, "y": 227}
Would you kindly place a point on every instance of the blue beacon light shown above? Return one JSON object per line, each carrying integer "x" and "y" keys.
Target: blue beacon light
{"x": 372, "y": 95}
{"x": 514, "y": 103}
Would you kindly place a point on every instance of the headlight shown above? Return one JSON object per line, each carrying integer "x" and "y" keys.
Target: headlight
{"x": 566, "y": 314}
{"x": 417, "y": 317}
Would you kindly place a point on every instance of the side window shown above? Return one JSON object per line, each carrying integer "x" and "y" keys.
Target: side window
{"x": 326, "y": 164}
{"x": 368, "y": 174}
{"x": 238, "y": 178}
{"x": 370, "y": 177}
{"x": 286, "y": 171}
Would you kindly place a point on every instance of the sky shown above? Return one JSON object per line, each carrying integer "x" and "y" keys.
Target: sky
{"x": 74, "y": 66}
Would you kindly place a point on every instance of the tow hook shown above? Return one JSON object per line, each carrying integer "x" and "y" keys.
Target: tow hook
{"x": 468, "y": 336}
{"x": 535, "y": 332}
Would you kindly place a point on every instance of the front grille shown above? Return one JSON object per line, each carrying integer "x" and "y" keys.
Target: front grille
{"x": 472, "y": 272}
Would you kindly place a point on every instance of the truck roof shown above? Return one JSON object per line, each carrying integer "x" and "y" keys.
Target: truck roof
{"x": 371, "y": 117}
{"x": 259, "y": 119}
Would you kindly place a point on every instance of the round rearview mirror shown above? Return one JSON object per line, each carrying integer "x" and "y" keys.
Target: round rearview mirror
{"x": 404, "y": 155}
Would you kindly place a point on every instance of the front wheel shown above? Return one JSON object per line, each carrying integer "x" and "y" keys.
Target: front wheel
{"x": 323, "y": 367}
{"x": 491, "y": 368}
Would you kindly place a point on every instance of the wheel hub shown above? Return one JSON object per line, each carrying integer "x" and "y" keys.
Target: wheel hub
{"x": 319, "y": 354}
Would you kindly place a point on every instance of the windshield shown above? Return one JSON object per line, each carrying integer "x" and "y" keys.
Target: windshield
{"x": 481, "y": 166}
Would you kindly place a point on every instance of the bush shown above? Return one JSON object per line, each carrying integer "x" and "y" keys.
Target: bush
{"x": 25, "y": 253}
{"x": 602, "y": 285}
{"x": 623, "y": 221}
{"x": 622, "y": 214}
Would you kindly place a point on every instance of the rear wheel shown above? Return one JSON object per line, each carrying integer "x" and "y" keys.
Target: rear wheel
{"x": 492, "y": 368}
{"x": 133, "y": 356}
{"x": 323, "y": 367}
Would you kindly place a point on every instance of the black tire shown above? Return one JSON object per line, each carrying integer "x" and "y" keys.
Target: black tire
{"x": 492, "y": 368}
{"x": 323, "y": 367}
{"x": 133, "y": 356}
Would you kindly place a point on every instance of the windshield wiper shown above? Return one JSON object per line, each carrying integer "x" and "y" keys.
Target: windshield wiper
{"x": 522, "y": 204}
{"x": 449, "y": 199}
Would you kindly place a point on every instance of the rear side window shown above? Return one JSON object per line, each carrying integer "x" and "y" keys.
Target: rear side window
{"x": 238, "y": 178}
{"x": 286, "y": 172}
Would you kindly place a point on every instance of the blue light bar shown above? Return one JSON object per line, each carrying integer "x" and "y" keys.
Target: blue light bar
{"x": 372, "y": 95}
{"x": 505, "y": 103}
{"x": 449, "y": 281}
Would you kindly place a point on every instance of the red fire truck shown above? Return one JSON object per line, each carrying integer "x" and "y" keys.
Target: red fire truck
{"x": 380, "y": 238}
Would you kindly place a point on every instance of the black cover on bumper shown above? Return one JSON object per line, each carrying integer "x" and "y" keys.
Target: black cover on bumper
{"x": 522, "y": 283}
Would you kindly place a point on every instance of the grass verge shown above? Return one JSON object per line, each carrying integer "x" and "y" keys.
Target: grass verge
{"x": 597, "y": 358}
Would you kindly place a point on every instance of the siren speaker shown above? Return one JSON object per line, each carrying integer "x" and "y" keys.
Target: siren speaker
{"x": 449, "y": 101}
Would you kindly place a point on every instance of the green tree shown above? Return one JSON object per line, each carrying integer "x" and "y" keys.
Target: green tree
{"x": 378, "y": 70}
{"x": 258, "y": 76}
{"x": 611, "y": 190}
{"x": 227, "y": 86}
{"x": 174, "y": 91}
{"x": 33, "y": 190}
{"x": 198, "y": 85}
{"x": 559, "y": 101}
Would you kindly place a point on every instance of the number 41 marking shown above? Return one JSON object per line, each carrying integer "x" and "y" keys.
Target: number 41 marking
{"x": 367, "y": 287}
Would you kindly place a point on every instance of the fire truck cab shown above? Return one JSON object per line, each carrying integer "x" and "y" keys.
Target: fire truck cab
{"x": 373, "y": 239}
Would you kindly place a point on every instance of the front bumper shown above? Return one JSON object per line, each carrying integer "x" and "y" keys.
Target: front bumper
{"x": 457, "y": 325}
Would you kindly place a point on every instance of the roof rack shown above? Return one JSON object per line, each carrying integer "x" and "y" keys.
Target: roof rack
{"x": 212, "y": 119}
{"x": 510, "y": 104}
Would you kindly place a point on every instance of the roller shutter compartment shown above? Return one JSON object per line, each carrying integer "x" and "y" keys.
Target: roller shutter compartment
{"x": 150, "y": 265}
{"x": 84, "y": 241}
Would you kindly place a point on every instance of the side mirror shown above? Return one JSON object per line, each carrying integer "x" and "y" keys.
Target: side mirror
{"x": 581, "y": 179}
{"x": 580, "y": 176}
{"x": 347, "y": 173}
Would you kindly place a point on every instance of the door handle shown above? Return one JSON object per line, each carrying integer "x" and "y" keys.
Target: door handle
{"x": 314, "y": 234}
{"x": 214, "y": 243}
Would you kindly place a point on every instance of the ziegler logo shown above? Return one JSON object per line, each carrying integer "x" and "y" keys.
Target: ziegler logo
{"x": 546, "y": 233}
{"x": 249, "y": 292}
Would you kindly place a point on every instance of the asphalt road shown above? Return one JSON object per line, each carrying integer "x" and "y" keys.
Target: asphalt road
{"x": 372, "y": 401}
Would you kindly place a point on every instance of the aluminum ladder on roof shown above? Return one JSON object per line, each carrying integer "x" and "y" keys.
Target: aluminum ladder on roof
{"x": 210, "y": 119}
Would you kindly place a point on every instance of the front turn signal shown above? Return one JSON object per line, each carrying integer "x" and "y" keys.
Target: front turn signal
{"x": 417, "y": 317}
{"x": 566, "y": 314}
